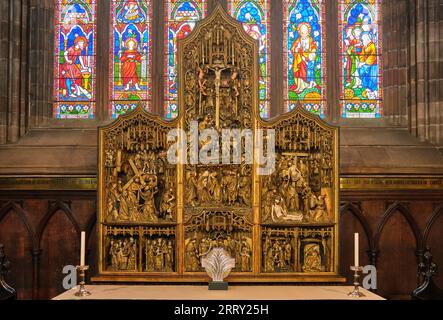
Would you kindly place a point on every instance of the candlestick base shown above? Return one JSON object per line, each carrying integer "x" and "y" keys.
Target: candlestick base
{"x": 82, "y": 292}
{"x": 356, "y": 292}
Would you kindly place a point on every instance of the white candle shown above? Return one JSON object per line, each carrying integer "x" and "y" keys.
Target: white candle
{"x": 82, "y": 249}
{"x": 356, "y": 262}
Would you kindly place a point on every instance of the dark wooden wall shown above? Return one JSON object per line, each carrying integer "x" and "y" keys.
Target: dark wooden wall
{"x": 41, "y": 234}
{"x": 395, "y": 228}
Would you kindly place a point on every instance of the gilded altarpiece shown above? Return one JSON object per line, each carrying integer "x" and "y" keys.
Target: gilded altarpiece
{"x": 157, "y": 220}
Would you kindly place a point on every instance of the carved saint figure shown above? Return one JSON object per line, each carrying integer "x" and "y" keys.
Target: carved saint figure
{"x": 149, "y": 212}
{"x": 201, "y": 87}
{"x": 312, "y": 258}
{"x": 149, "y": 253}
{"x": 191, "y": 260}
{"x": 192, "y": 188}
{"x": 278, "y": 211}
{"x": 245, "y": 259}
{"x": 123, "y": 213}
{"x": 244, "y": 189}
{"x": 230, "y": 186}
{"x": 170, "y": 257}
{"x": 112, "y": 203}
{"x": 203, "y": 187}
{"x": 204, "y": 247}
{"x": 288, "y": 253}
{"x": 113, "y": 252}
{"x": 235, "y": 90}
{"x": 268, "y": 202}
{"x": 160, "y": 251}
{"x": 167, "y": 207}
{"x": 132, "y": 255}
{"x": 125, "y": 252}
{"x": 269, "y": 260}
{"x": 294, "y": 184}
{"x": 133, "y": 200}
{"x": 319, "y": 209}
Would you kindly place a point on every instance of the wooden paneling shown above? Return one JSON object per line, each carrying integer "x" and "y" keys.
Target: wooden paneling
{"x": 397, "y": 247}
{"x": 433, "y": 238}
{"x": 351, "y": 221}
{"x": 14, "y": 232}
{"x": 60, "y": 240}
{"x": 41, "y": 236}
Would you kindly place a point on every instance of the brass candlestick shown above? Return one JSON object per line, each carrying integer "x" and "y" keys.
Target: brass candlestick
{"x": 356, "y": 292}
{"x": 82, "y": 292}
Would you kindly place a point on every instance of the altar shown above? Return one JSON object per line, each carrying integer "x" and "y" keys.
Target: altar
{"x": 196, "y": 293}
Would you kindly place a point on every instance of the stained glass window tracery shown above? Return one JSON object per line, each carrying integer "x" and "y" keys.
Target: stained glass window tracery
{"x": 304, "y": 55}
{"x": 74, "y": 59}
{"x": 360, "y": 58}
{"x": 130, "y": 56}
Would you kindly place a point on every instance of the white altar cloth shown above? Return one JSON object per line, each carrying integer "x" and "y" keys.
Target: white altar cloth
{"x": 192, "y": 293}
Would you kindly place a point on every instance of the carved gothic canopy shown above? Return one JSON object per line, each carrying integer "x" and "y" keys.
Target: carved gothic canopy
{"x": 158, "y": 219}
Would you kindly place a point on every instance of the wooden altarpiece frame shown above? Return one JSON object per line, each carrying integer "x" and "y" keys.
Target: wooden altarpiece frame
{"x": 156, "y": 219}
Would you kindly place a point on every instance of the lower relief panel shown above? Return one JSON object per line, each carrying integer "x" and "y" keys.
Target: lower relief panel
{"x": 139, "y": 249}
{"x": 297, "y": 249}
{"x": 208, "y": 229}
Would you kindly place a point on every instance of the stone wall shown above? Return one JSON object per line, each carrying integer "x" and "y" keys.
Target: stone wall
{"x": 395, "y": 61}
{"x": 26, "y": 48}
{"x": 425, "y": 60}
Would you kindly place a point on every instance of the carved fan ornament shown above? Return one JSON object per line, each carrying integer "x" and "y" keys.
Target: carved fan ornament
{"x": 159, "y": 220}
{"x": 218, "y": 264}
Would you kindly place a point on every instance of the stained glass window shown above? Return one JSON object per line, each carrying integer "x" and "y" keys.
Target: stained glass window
{"x": 255, "y": 16}
{"x": 360, "y": 58}
{"x": 74, "y": 59}
{"x": 130, "y": 60}
{"x": 181, "y": 18}
{"x": 304, "y": 55}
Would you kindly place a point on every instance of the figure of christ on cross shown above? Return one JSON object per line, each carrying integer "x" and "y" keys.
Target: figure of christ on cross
{"x": 218, "y": 69}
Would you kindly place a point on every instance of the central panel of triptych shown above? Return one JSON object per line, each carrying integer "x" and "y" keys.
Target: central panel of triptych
{"x": 271, "y": 200}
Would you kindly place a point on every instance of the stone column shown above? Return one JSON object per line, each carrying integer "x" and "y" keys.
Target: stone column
{"x": 275, "y": 37}
{"x": 41, "y": 61}
{"x": 158, "y": 58}
{"x": 26, "y": 66}
{"x": 4, "y": 58}
{"x": 425, "y": 70}
{"x": 394, "y": 58}
{"x": 13, "y": 70}
{"x": 333, "y": 56}
{"x": 435, "y": 56}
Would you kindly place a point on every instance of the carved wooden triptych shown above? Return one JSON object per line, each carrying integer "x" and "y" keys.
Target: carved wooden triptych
{"x": 158, "y": 219}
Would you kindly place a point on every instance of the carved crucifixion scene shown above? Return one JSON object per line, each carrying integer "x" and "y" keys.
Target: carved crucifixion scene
{"x": 219, "y": 94}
